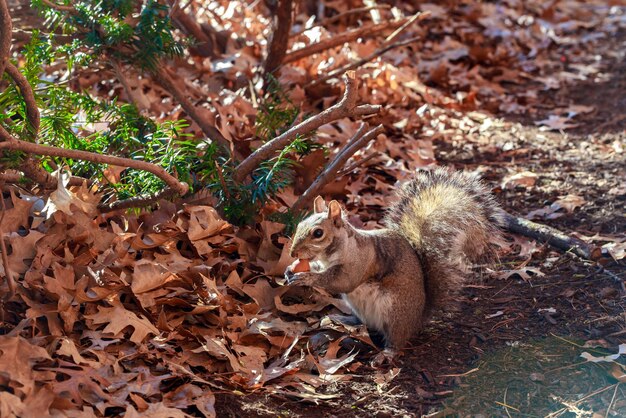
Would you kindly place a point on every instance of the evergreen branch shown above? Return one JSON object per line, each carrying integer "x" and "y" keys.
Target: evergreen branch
{"x": 14, "y": 144}
{"x": 32, "y": 111}
{"x": 346, "y": 107}
{"x": 60, "y": 7}
{"x": 163, "y": 77}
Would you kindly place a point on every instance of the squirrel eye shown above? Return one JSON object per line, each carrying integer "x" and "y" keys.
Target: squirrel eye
{"x": 317, "y": 233}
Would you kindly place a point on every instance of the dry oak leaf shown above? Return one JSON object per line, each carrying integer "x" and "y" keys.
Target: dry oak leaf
{"x": 189, "y": 394}
{"x": 155, "y": 410}
{"x": 119, "y": 318}
{"x": 11, "y": 405}
{"x": 149, "y": 275}
{"x": 13, "y": 348}
{"x": 62, "y": 199}
{"x": 523, "y": 179}
{"x": 204, "y": 222}
{"x": 17, "y": 215}
{"x": 23, "y": 250}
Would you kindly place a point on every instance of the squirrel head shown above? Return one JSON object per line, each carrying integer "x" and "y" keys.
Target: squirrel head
{"x": 318, "y": 234}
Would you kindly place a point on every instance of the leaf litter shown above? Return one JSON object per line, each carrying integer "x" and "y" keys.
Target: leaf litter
{"x": 156, "y": 313}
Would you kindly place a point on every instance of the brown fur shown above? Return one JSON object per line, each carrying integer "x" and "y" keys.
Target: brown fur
{"x": 394, "y": 278}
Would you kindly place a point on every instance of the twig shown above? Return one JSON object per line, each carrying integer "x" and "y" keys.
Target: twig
{"x": 345, "y": 107}
{"x": 162, "y": 76}
{"x": 17, "y": 178}
{"x": 409, "y": 22}
{"x": 358, "y": 141}
{"x": 5, "y": 259}
{"x": 204, "y": 43}
{"x": 608, "y": 409}
{"x": 59, "y": 7}
{"x": 138, "y": 201}
{"x": 358, "y": 163}
{"x": 220, "y": 174}
{"x": 341, "y": 15}
{"x": 340, "y": 39}
{"x": 119, "y": 72}
{"x": 6, "y": 28}
{"x": 279, "y": 39}
{"x": 32, "y": 111}
{"x": 545, "y": 233}
{"x": 32, "y": 148}
{"x": 361, "y": 61}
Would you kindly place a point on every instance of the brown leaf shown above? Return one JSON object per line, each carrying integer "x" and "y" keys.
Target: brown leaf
{"x": 20, "y": 372}
{"x": 118, "y": 318}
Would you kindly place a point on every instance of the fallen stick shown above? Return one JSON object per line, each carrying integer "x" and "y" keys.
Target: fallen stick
{"x": 341, "y": 15}
{"x": 361, "y": 61}
{"x": 547, "y": 234}
{"x": 340, "y": 39}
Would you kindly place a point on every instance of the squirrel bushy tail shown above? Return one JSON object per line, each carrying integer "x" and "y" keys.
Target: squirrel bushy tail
{"x": 450, "y": 218}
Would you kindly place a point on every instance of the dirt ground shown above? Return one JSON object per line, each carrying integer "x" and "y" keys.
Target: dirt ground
{"x": 514, "y": 347}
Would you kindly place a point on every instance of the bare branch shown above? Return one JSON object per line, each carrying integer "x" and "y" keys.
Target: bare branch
{"x": 209, "y": 130}
{"x": 335, "y": 18}
{"x": 204, "y": 44}
{"x": 355, "y": 143}
{"x": 545, "y": 233}
{"x": 342, "y": 38}
{"x": 6, "y": 28}
{"x": 32, "y": 148}
{"x": 32, "y": 111}
{"x": 119, "y": 72}
{"x": 18, "y": 178}
{"x": 5, "y": 259}
{"x": 138, "y": 201}
{"x": 59, "y": 7}
{"x": 360, "y": 62}
{"x": 279, "y": 41}
{"x": 344, "y": 108}
{"x": 358, "y": 163}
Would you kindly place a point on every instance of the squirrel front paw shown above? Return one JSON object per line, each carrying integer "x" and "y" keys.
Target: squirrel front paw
{"x": 302, "y": 279}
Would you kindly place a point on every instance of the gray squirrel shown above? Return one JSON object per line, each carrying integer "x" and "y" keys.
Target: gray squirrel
{"x": 395, "y": 278}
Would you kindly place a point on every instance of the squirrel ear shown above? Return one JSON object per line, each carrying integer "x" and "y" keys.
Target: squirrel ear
{"x": 319, "y": 205}
{"x": 334, "y": 210}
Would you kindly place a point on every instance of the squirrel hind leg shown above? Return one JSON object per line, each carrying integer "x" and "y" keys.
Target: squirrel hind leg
{"x": 443, "y": 282}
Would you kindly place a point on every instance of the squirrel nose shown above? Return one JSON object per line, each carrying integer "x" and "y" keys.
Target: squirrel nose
{"x": 293, "y": 253}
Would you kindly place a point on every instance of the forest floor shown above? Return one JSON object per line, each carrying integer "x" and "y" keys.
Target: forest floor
{"x": 514, "y": 346}
{"x": 552, "y": 145}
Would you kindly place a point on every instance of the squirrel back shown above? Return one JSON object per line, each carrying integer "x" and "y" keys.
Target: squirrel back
{"x": 449, "y": 217}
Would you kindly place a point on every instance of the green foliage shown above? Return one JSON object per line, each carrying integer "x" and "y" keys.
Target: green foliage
{"x": 240, "y": 203}
{"x": 75, "y": 120}
{"x": 140, "y": 34}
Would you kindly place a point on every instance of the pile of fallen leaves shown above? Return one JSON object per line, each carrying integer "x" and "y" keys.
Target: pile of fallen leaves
{"x": 148, "y": 313}
{"x": 153, "y": 312}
